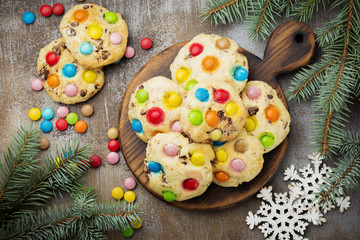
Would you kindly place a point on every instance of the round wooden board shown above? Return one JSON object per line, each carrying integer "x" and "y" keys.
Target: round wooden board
{"x": 290, "y": 47}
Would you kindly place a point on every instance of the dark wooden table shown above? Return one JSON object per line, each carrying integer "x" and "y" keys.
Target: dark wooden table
{"x": 166, "y": 23}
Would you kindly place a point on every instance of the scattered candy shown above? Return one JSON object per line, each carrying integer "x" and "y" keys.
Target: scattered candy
{"x": 62, "y": 112}
{"x": 136, "y": 126}
{"x": 241, "y": 146}
{"x": 209, "y": 63}
{"x": 112, "y": 133}
{"x": 141, "y": 95}
{"x": 80, "y": 15}
{"x": 198, "y": 159}
{"x": 114, "y": 146}
{"x": 95, "y": 161}
{"x": 61, "y": 124}
{"x": 86, "y": 48}
{"x": 46, "y": 126}
{"x": 87, "y": 110}
{"x": 110, "y": 17}
{"x": 72, "y": 118}
{"x": 89, "y": 76}
{"x": 129, "y": 183}
{"x": 250, "y": 125}
{"x": 146, "y": 43}
{"x": 195, "y": 49}
{"x": 154, "y": 166}
{"x": 115, "y": 38}
{"x": 129, "y": 196}
{"x": 36, "y": 84}
{"x": 222, "y": 43}
{"x": 195, "y": 117}
{"x": 222, "y": 176}
{"x": 253, "y": 92}
{"x": 190, "y": 184}
{"x": 80, "y": 126}
{"x": 34, "y": 114}
{"x": 221, "y": 155}
{"x": 241, "y": 74}
{"x": 190, "y": 84}
{"x": 169, "y": 196}
{"x": 44, "y": 143}
{"x": 155, "y": 115}
{"x": 231, "y": 108}
{"x": 267, "y": 141}
{"x": 95, "y": 30}
{"x": 215, "y": 134}
{"x": 176, "y": 127}
{"x": 58, "y": 9}
{"x": 129, "y": 52}
{"x": 117, "y": 193}
{"x": 127, "y": 232}
{"x": 28, "y": 17}
{"x": 45, "y": 10}
{"x": 171, "y": 150}
{"x": 71, "y": 90}
{"x": 47, "y": 113}
{"x": 112, "y": 158}
{"x": 136, "y": 224}
{"x": 211, "y": 118}
{"x": 51, "y": 58}
{"x": 69, "y": 70}
{"x": 221, "y": 96}
{"x": 202, "y": 94}
{"x": 272, "y": 114}
{"x": 182, "y": 74}
{"x": 218, "y": 143}
{"x": 237, "y": 164}
{"x": 53, "y": 80}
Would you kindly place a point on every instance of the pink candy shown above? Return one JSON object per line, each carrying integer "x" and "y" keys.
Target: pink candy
{"x": 115, "y": 38}
{"x": 36, "y": 84}
{"x": 237, "y": 164}
{"x": 171, "y": 150}
{"x": 62, "y": 112}
{"x": 71, "y": 90}
{"x": 253, "y": 92}
{"x": 176, "y": 127}
{"x": 129, "y": 52}
{"x": 112, "y": 158}
{"x": 129, "y": 183}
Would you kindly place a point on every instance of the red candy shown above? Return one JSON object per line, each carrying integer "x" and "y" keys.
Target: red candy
{"x": 155, "y": 116}
{"x": 190, "y": 184}
{"x": 52, "y": 58}
{"x": 61, "y": 124}
{"x": 196, "y": 48}
{"x": 114, "y": 146}
{"x": 221, "y": 96}
{"x": 95, "y": 161}
{"x": 146, "y": 43}
{"x": 58, "y": 9}
{"x": 45, "y": 10}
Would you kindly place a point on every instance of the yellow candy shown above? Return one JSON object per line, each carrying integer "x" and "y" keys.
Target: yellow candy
{"x": 250, "y": 124}
{"x": 95, "y": 30}
{"x": 198, "y": 159}
{"x": 117, "y": 193}
{"x": 89, "y": 76}
{"x": 175, "y": 100}
{"x": 221, "y": 155}
{"x": 129, "y": 196}
{"x": 34, "y": 114}
{"x": 231, "y": 109}
{"x": 59, "y": 161}
{"x": 182, "y": 74}
{"x": 215, "y": 134}
{"x": 136, "y": 224}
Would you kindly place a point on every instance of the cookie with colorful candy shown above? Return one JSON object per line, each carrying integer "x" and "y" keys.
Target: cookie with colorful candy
{"x": 177, "y": 169}
{"x": 212, "y": 110}
{"x": 210, "y": 57}
{"x": 65, "y": 80}
{"x": 238, "y": 160}
{"x": 154, "y": 107}
{"x": 267, "y": 117}
{"x": 95, "y": 36}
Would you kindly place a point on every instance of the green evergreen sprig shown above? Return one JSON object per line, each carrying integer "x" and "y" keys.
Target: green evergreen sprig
{"x": 304, "y": 9}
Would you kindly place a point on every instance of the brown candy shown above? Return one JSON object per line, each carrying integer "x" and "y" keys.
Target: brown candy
{"x": 87, "y": 110}
{"x": 112, "y": 133}
{"x": 44, "y": 143}
{"x": 223, "y": 43}
{"x": 241, "y": 146}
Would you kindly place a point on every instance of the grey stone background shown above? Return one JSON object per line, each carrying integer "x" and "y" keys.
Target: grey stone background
{"x": 166, "y": 23}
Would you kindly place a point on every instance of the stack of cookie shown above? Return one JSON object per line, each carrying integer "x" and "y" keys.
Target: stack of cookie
{"x": 71, "y": 66}
{"x": 207, "y": 124}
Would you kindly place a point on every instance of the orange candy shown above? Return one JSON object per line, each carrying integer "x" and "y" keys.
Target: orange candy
{"x": 209, "y": 63}
{"x": 222, "y": 176}
{"x": 211, "y": 118}
{"x": 53, "y": 80}
{"x": 272, "y": 114}
{"x": 80, "y": 126}
{"x": 155, "y": 132}
{"x": 80, "y": 15}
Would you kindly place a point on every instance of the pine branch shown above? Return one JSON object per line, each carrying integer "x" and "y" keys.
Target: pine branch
{"x": 344, "y": 142}
{"x": 304, "y": 10}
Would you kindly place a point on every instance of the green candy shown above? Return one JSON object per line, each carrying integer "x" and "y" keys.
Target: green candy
{"x": 190, "y": 84}
{"x": 141, "y": 95}
{"x": 111, "y": 17}
{"x": 195, "y": 117}
{"x": 267, "y": 141}
{"x": 72, "y": 118}
{"x": 127, "y": 232}
{"x": 169, "y": 196}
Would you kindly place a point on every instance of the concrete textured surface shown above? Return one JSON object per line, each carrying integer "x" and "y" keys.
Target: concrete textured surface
{"x": 166, "y": 23}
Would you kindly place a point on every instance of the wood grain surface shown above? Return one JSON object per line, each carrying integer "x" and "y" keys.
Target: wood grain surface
{"x": 290, "y": 47}
{"x": 166, "y": 23}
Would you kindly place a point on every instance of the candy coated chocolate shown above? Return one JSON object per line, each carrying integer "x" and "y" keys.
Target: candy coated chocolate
{"x": 115, "y": 38}
{"x": 44, "y": 143}
{"x": 129, "y": 183}
{"x": 146, "y": 43}
{"x": 45, "y": 10}
{"x": 47, "y": 113}
{"x": 129, "y": 196}
{"x": 95, "y": 161}
{"x": 129, "y": 52}
{"x": 46, "y": 126}
{"x": 62, "y": 112}
{"x": 28, "y": 17}
{"x": 112, "y": 133}
{"x": 61, "y": 124}
{"x": 117, "y": 193}
{"x": 36, "y": 84}
{"x": 171, "y": 150}
{"x": 114, "y": 146}
{"x": 58, "y": 9}
{"x": 112, "y": 158}
{"x": 176, "y": 127}
{"x": 87, "y": 110}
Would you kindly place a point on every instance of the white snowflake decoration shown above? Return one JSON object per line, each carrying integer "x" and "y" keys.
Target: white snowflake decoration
{"x": 288, "y": 215}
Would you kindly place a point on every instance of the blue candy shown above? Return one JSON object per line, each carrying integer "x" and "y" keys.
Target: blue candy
{"x": 241, "y": 74}
{"x": 202, "y": 94}
{"x": 154, "y": 166}
{"x": 47, "y": 113}
{"x": 86, "y": 48}
{"x": 136, "y": 126}
{"x": 46, "y": 126}
{"x": 69, "y": 70}
{"x": 218, "y": 143}
{"x": 117, "y": 61}
{"x": 28, "y": 17}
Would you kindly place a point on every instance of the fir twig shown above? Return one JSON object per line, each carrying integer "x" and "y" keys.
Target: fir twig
{"x": 303, "y": 10}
